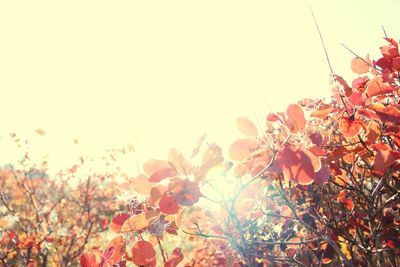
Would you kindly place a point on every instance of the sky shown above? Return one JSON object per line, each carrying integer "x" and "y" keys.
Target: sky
{"x": 159, "y": 74}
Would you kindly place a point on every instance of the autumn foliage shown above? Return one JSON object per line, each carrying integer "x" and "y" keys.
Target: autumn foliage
{"x": 316, "y": 185}
{"x": 48, "y": 221}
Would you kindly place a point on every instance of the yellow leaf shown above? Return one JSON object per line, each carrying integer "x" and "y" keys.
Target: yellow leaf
{"x": 344, "y": 248}
{"x": 139, "y": 222}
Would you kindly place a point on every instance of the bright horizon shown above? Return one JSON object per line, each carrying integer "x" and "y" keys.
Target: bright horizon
{"x": 159, "y": 75}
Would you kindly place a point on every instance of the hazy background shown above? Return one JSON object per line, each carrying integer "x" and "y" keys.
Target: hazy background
{"x": 159, "y": 74}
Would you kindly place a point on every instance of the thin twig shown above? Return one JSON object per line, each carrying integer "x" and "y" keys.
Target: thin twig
{"x": 161, "y": 250}
{"x": 384, "y": 32}
{"x": 322, "y": 41}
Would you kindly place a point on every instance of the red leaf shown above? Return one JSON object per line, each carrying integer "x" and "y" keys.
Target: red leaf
{"x": 272, "y": 117}
{"x": 118, "y": 221}
{"x": 143, "y": 254}
{"x": 383, "y": 63}
{"x": 296, "y": 121}
{"x": 246, "y": 126}
{"x": 89, "y": 259}
{"x": 168, "y": 204}
{"x": 392, "y": 41}
{"x": 316, "y": 138}
{"x": 389, "y": 51}
{"x": 359, "y": 66}
{"x": 155, "y": 194}
{"x": 242, "y": 148}
{"x": 396, "y": 63}
{"x": 296, "y": 165}
{"x": 175, "y": 258}
{"x": 356, "y": 98}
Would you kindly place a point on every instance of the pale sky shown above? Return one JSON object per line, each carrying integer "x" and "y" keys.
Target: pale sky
{"x": 159, "y": 74}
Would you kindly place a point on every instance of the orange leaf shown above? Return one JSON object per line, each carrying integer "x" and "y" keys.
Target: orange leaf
{"x": 142, "y": 185}
{"x": 143, "y": 254}
{"x": 246, "y": 126}
{"x": 139, "y": 222}
{"x": 385, "y": 156}
{"x": 323, "y": 111}
{"x": 242, "y": 148}
{"x": 116, "y": 247}
{"x": 359, "y": 66}
{"x": 387, "y": 113}
{"x": 377, "y": 87}
{"x": 373, "y": 132}
{"x": 295, "y": 114}
{"x": 350, "y": 127}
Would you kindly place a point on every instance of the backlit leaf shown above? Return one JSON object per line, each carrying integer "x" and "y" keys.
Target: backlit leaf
{"x": 242, "y": 148}
{"x": 246, "y": 126}
{"x": 295, "y": 114}
{"x": 385, "y": 156}
{"x": 139, "y": 222}
{"x": 376, "y": 87}
{"x": 350, "y": 127}
{"x": 359, "y": 66}
{"x": 142, "y": 185}
{"x": 296, "y": 165}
